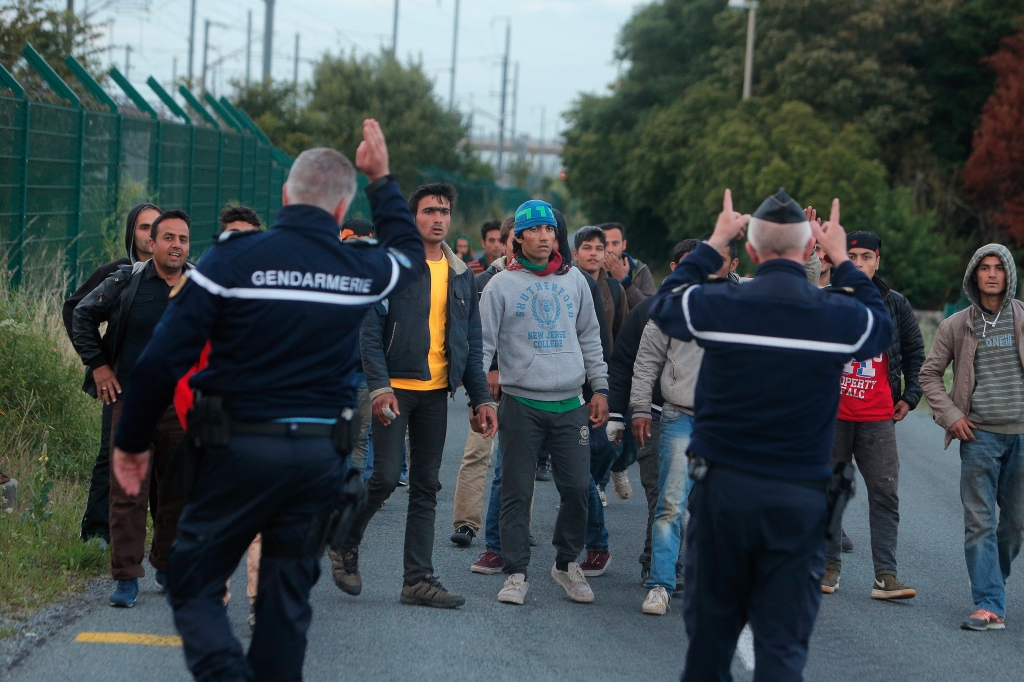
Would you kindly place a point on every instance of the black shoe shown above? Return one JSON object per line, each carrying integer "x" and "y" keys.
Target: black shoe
{"x": 847, "y": 543}
{"x": 645, "y": 573}
{"x": 463, "y": 536}
{"x": 544, "y": 471}
{"x": 533, "y": 540}
{"x": 430, "y": 592}
{"x": 679, "y": 582}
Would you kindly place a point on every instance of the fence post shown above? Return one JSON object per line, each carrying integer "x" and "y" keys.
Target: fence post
{"x": 16, "y": 256}
{"x": 191, "y": 164}
{"x": 220, "y": 168}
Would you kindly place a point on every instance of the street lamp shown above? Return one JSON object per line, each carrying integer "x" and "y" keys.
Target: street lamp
{"x": 748, "y": 67}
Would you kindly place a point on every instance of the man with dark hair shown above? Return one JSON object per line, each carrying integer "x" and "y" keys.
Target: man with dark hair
{"x": 984, "y": 410}
{"x": 131, "y": 301}
{"x": 494, "y": 247}
{"x": 438, "y": 322}
{"x": 620, "y": 383}
{"x": 96, "y": 521}
{"x": 875, "y": 394}
{"x": 444, "y": 193}
{"x": 634, "y": 275}
{"x": 235, "y": 218}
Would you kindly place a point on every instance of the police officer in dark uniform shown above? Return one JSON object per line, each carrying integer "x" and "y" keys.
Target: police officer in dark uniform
{"x": 765, "y": 408}
{"x": 282, "y": 311}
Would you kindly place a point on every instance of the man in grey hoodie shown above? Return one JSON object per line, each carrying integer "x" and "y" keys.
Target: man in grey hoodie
{"x": 985, "y": 412}
{"x": 538, "y": 315}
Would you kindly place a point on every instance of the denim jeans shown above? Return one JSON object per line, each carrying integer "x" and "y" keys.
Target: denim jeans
{"x": 992, "y": 473}
{"x": 492, "y": 526}
{"x": 602, "y": 455}
{"x": 674, "y": 487}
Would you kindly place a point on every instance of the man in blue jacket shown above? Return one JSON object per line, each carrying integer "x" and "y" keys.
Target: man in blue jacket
{"x": 416, "y": 348}
{"x": 281, "y": 310}
{"x": 755, "y": 545}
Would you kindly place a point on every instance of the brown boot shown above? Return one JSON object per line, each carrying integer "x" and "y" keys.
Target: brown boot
{"x": 345, "y": 570}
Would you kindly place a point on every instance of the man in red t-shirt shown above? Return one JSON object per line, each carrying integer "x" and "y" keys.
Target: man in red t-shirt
{"x": 871, "y": 400}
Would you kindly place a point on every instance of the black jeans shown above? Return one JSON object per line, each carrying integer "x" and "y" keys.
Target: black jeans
{"x": 96, "y": 520}
{"x": 873, "y": 446}
{"x": 523, "y": 431}
{"x": 647, "y": 457}
{"x": 425, "y": 414}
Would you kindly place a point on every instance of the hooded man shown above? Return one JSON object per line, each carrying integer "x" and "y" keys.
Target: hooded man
{"x": 985, "y": 412}
{"x": 96, "y": 520}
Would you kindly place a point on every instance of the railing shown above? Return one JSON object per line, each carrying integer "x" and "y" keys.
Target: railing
{"x": 62, "y": 168}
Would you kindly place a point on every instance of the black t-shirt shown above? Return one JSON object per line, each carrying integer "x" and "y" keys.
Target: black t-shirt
{"x": 147, "y": 308}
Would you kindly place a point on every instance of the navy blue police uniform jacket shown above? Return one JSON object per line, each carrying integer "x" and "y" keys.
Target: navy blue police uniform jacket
{"x": 282, "y": 311}
{"x": 774, "y": 348}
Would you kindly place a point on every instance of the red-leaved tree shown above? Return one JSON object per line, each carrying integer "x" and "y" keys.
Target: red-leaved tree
{"x": 993, "y": 177}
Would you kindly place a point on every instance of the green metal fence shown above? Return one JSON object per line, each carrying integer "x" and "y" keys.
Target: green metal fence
{"x": 62, "y": 168}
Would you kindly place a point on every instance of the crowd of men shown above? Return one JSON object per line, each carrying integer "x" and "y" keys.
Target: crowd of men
{"x": 574, "y": 370}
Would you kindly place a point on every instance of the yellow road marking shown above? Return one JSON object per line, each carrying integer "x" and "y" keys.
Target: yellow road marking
{"x": 128, "y": 638}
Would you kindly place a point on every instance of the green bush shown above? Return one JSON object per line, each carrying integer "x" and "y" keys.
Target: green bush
{"x": 41, "y": 398}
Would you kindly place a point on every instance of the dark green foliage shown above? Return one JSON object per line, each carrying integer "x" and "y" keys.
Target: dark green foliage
{"x": 873, "y": 101}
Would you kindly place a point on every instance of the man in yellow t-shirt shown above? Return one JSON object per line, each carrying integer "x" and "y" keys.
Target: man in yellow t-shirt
{"x": 416, "y": 349}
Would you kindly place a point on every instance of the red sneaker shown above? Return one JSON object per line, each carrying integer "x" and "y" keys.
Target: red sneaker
{"x": 596, "y": 563}
{"x": 488, "y": 563}
{"x": 983, "y": 620}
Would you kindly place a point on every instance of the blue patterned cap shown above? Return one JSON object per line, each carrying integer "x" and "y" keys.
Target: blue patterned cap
{"x": 533, "y": 213}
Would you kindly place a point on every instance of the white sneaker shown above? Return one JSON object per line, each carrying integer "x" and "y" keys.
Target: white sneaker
{"x": 604, "y": 500}
{"x": 622, "y": 487}
{"x": 514, "y": 591}
{"x": 657, "y": 601}
{"x": 574, "y": 583}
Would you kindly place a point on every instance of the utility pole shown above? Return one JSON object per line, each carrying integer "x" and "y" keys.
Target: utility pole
{"x": 127, "y": 61}
{"x": 394, "y": 33}
{"x": 110, "y": 39}
{"x": 174, "y": 71}
{"x": 515, "y": 102}
{"x": 295, "y": 76}
{"x": 455, "y": 46}
{"x": 543, "y": 112}
{"x": 71, "y": 25}
{"x": 206, "y": 50}
{"x": 191, "y": 41}
{"x": 748, "y": 66}
{"x": 504, "y": 89}
{"x": 268, "y": 40}
{"x": 248, "y": 49}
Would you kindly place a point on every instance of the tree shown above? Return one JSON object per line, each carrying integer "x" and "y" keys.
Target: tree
{"x": 346, "y": 90}
{"x": 994, "y": 174}
{"x": 54, "y": 34}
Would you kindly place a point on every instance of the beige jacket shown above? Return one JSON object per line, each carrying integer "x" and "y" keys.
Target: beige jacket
{"x": 956, "y": 342}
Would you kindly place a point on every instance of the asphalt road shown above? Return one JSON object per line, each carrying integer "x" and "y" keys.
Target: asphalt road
{"x": 372, "y": 636}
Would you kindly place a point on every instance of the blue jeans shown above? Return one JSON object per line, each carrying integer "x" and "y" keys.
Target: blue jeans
{"x": 992, "y": 473}
{"x": 492, "y": 527}
{"x": 674, "y": 486}
{"x": 602, "y": 456}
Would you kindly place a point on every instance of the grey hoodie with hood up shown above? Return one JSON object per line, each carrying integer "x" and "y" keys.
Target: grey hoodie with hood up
{"x": 997, "y": 403}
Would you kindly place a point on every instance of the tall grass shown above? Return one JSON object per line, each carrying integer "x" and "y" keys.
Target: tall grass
{"x": 49, "y": 436}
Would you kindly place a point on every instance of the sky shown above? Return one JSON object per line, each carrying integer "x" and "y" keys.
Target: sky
{"x": 563, "y": 47}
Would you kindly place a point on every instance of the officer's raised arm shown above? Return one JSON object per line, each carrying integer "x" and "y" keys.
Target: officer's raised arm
{"x": 832, "y": 238}
{"x": 695, "y": 269}
{"x": 392, "y": 219}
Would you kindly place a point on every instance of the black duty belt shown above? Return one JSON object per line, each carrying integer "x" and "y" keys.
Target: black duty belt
{"x": 293, "y": 429}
